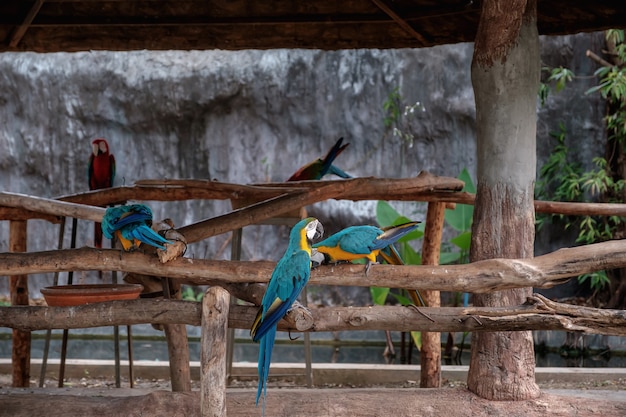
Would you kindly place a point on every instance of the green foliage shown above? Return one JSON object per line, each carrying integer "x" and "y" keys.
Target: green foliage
{"x": 190, "y": 294}
{"x": 560, "y": 76}
{"x": 460, "y": 219}
{"x": 398, "y": 116}
{"x": 563, "y": 180}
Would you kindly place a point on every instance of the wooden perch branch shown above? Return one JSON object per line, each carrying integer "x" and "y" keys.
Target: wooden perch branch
{"x": 538, "y": 314}
{"x": 50, "y": 206}
{"x": 488, "y": 275}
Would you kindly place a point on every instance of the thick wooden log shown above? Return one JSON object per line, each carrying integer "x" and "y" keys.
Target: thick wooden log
{"x": 538, "y": 313}
{"x": 20, "y": 352}
{"x": 215, "y": 308}
{"x": 482, "y": 276}
{"x": 430, "y": 354}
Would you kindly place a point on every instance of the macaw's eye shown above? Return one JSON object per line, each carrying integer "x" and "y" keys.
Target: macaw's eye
{"x": 103, "y": 146}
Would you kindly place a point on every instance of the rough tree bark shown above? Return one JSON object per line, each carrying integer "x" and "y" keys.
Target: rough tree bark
{"x": 505, "y": 76}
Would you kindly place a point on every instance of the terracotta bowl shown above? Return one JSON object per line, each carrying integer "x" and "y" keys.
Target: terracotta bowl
{"x": 73, "y": 295}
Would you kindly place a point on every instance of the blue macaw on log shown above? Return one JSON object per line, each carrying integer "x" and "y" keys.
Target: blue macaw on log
{"x": 287, "y": 281}
{"x": 131, "y": 225}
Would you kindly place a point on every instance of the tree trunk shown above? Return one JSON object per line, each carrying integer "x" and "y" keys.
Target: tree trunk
{"x": 505, "y": 76}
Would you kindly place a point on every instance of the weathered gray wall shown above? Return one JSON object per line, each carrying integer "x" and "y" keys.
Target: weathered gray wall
{"x": 251, "y": 116}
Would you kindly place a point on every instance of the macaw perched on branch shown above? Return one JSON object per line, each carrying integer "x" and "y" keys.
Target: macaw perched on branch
{"x": 358, "y": 242}
{"x": 315, "y": 170}
{"x": 288, "y": 279}
{"x": 131, "y": 225}
{"x": 100, "y": 173}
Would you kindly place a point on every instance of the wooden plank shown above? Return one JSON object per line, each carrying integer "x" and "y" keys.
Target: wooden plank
{"x": 215, "y": 311}
{"x": 19, "y": 297}
{"x": 430, "y": 354}
{"x": 543, "y": 271}
{"x": 538, "y": 313}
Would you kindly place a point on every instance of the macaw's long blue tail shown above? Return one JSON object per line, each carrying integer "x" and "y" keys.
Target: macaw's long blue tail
{"x": 338, "y": 172}
{"x": 265, "y": 357}
{"x": 393, "y": 234}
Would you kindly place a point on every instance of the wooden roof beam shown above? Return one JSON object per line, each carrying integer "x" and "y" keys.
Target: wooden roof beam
{"x": 20, "y": 31}
{"x": 400, "y": 21}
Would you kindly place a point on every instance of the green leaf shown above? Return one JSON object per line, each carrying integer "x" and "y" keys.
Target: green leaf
{"x": 463, "y": 240}
{"x": 447, "y": 258}
{"x": 409, "y": 255}
{"x": 460, "y": 218}
{"x": 379, "y": 295}
{"x": 385, "y": 214}
{"x": 405, "y": 301}
{"x": 417, "y": 339}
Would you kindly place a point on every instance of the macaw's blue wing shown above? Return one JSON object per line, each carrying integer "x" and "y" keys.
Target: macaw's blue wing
{"x": 136, "y": 213}
{"x": 287, "y": 281}
{"x": 351, "y": 243}
{"x": 144, "y": 234}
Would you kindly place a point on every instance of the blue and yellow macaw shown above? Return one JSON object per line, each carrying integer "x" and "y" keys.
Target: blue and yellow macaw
{"x": 100, "y": 174}
{"x": 316, "y": 169}
{"x": 358, "y": 242}
{"x": 131, "y": 225}
{"x": 288, "y": 279}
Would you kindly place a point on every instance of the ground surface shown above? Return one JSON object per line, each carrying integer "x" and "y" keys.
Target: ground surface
{"x": 89, "y": 396}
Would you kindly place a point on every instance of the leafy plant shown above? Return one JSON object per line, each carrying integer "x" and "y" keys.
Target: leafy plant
{"x": 398, "y": 116}
{"x": 190, "y": 294}
{"x": 562, "y": 180}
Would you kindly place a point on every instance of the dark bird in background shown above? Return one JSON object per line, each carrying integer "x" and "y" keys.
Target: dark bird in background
{"x": 101, "y": 173}
{"x": 316, "y": 169}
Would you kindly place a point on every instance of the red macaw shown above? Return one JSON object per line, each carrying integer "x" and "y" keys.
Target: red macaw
{"x": 101, "y": 173}
{"x": 315, "y": 170}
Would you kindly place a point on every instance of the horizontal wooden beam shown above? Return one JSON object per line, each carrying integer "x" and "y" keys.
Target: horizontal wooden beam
{"x": 478, "y": 277}
{"x": 538, "y": 314}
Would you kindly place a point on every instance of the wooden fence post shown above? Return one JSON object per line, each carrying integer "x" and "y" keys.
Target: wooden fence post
{"x": 20, "y": 356}
{"x": 215, "y": 308}
{"x": 430, "y": 355}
